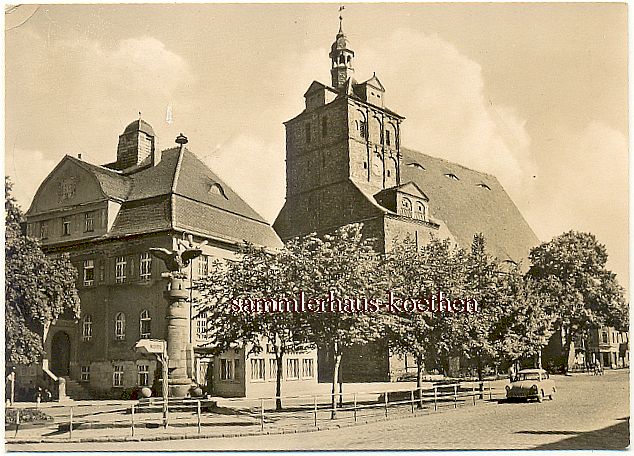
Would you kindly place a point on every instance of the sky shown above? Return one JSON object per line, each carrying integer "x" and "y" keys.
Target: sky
{"x": 535, "y": 94}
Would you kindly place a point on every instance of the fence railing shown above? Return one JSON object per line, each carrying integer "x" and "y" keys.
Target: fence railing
{"x": 255, "y": 414}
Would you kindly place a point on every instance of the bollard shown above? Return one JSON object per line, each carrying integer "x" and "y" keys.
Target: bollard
{"x": 198, "y": 414}
{"x": 70, "y": 429}
{"x": 435, "y": 397}
{"x": 455, "y": 396}
{"x": 412, "y": 397}
{"x": 17, "y": 422}
{"x": 315, "y": 402}
{"x": 355, "y": 407}
{"x": 262, "y": 415}
{"x": 132, "y": 414}
{"x": 386, "y": 399}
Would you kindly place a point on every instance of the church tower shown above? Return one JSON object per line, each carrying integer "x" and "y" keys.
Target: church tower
{"x": 343, "y": 149}
{"x": 341, "y": 57}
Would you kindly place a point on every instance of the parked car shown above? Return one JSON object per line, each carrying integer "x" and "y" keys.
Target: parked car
{"x": 531, "y": 384}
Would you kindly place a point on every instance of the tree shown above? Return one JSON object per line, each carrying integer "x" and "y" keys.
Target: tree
{"x": 571, "y": 270}
{"x": 259, "y": 276}
{"x": 346, "y": 265}
{"x": 39, "y": 289}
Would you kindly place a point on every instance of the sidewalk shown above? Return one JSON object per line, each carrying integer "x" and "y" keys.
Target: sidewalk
{"x": 113, "y": 422}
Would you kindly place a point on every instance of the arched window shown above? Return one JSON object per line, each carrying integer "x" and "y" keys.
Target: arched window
{"x": 145, "y": 323}
{"x": 119, "y": 326}
{"x": 420, "y": 210}
{"x": 86, "y": 329}
{"x": 406, "y": 207}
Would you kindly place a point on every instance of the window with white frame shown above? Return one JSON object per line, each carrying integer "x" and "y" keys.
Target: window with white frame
{"x": 145, "y": 323}
{"x": 203, "y": 266}
{"x": 272, "y": 369}
{"x": 119, "y": 271}
{"x": 89, "y": 273}
{"x": 227, "y": 371}
{"x": 201, "y": 325}
{"x": 292, "y": 368}
{"x": 66, "y": 226}
{"x": 145, "y": 266}
{"x": 308, "y": 368}
{"x": 117, "y": 375}
{"x": 257, "y": 369}
{"x": 89, "y": 221}
{"x": 85, "y": 373}
{"x": 119, "y": 326}
{"x": 144, "y": 375}
{"x": 86, "y": 329}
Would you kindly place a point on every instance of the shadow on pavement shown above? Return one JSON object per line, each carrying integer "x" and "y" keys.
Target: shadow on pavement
{"x": 615, "y": 437}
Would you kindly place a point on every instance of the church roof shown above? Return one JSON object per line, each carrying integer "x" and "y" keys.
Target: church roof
{"x": 470, "y": 202}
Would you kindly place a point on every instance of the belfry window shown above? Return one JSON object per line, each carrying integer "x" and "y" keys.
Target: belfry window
{"x": 307, "y": 129}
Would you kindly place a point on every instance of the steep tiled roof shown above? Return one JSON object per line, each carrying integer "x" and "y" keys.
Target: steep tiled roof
{"x": 181, "y": 192}
{"x": 113, "y": 184}
{"x": 470, "y": 202}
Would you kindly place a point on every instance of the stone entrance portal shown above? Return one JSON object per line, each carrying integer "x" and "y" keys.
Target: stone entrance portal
{"x": 60, "y": 354}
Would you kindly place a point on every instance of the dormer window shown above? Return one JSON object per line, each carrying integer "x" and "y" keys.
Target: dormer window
{"x": 421, "y": 212}
{"x": 451, "y": 176}
{"x": 406, "y": 207}
{"x": 416, "y": 165}
{"x": 484, "y": 186}
{"x": 216, "y": 189}
{"x": 89, "y": 222}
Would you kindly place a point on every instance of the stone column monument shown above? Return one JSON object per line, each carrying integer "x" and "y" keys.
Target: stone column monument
{"x": 177, "y": 296}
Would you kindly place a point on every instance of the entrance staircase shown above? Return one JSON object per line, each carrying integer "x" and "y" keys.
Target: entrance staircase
{"x": 76, "y": 391}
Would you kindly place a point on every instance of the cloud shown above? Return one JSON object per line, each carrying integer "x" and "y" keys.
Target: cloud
{"x": 585, "y": 188}
{"x": 27, "y": 169}
{"x": 441, "y": 92}
{"x": 253, "y": 169}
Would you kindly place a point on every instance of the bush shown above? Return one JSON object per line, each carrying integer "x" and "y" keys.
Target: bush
{"x": 27, "y": 415}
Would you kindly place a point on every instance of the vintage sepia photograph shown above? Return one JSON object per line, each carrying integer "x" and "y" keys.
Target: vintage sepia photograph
{"x": 316, "y": 226}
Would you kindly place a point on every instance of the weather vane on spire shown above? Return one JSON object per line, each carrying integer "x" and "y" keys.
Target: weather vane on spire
{"x": 341, "y": 8}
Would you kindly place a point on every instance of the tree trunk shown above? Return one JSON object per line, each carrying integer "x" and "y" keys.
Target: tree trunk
{"x": 278, "y": 381}
{"x": 479, "y": 361}
{"x": 335, "y": 381}
{"x": 419, "y": 378}
{"x": 539, "y": 358}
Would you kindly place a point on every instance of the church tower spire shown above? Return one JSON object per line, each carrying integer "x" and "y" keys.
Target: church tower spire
{"x": 341, "y": 57}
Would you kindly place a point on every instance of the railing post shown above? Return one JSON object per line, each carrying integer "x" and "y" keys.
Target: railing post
{"x": 455, "y": 396}
{"x": 435, "y": 397}
{"x": 355, "y": 407}
{"x": 132, "y": 415}
{"x": 490, "y": 395}
{"x": 420, "y": 396}
{"x": 386, "y": 399}
{"x": 262, "y": 414}
{"x": 315, "y": 408}
{"x": 412, "y": 400}
{"x": 198, "y": 414}
{"x": 473, "y": 392}
{"x": 17, "y": 422}
{"x": 70, "y": 429}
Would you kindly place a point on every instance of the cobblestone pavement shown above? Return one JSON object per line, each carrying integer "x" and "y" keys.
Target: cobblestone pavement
{"x": 588, "y": 413}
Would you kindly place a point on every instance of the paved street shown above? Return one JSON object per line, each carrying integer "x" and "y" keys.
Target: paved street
{"x": 589, "y": 412}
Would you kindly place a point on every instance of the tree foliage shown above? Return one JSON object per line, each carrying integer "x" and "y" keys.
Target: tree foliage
{"x": 39, "y": 289}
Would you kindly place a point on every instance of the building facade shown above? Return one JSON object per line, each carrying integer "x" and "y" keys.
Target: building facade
{"x": 107, "y": 218}
{"x": 345, "y": 163}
